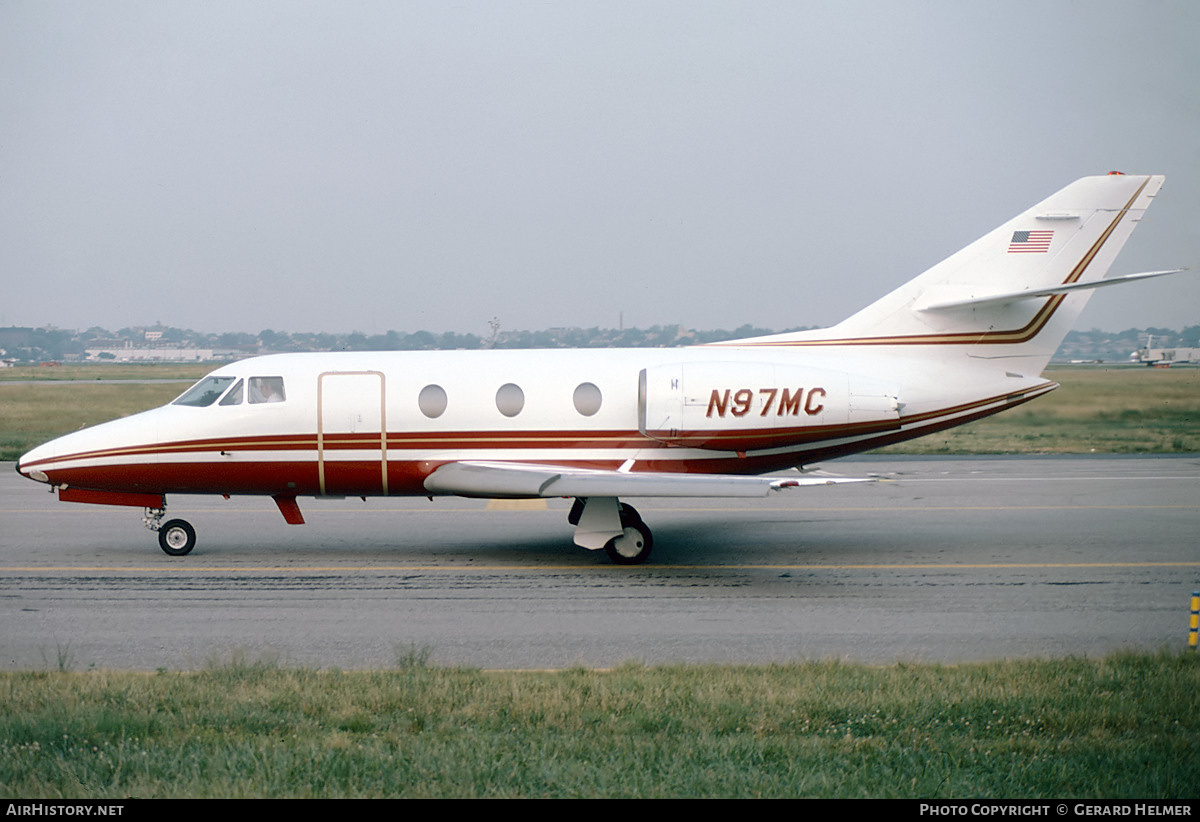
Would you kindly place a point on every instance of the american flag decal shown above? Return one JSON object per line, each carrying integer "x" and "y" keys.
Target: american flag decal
{"x": 1030, "y": 242}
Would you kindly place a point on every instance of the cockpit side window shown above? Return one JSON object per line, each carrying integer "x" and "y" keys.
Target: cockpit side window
{"x": 266, "y": 389}
{"x": 205, "y": 392}
{"x": 234, "y": 397}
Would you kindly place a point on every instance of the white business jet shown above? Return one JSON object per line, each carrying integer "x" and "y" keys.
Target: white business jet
{"x": 966, "y": 339}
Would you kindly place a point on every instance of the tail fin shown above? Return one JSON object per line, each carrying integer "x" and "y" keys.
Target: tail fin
{"x": 1016, "y": 291}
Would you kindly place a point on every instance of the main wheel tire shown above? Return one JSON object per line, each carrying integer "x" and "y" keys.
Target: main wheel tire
{"x": 633, "y": 546}
{"x": 176, "y": 537}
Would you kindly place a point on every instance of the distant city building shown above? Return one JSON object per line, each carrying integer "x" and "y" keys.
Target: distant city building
{"x": 131, "y": 354}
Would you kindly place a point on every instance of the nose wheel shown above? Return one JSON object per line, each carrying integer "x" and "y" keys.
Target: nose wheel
{"x": 177, "y": 538}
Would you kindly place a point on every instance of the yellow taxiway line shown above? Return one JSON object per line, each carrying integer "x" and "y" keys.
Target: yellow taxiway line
{"x": 474, "y": 567}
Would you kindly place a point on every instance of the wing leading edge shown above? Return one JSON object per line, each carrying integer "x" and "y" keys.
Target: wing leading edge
{"x": 526, "y": 480}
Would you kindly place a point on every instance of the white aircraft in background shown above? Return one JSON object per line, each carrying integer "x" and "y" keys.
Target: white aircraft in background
{"x": 967, "y": 338}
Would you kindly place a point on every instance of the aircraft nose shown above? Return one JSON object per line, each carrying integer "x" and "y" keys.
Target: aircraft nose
{"x": 89, "y": 455}
{"x": 27, "y": 460}
{"x": 42, "y": 464}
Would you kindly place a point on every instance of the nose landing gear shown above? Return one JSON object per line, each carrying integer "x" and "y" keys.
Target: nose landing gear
{"x": 176, "y": 537}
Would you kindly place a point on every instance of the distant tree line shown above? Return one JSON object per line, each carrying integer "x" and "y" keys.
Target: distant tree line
{"x": 37, "y": 344}
{"x": 41, "y": 344}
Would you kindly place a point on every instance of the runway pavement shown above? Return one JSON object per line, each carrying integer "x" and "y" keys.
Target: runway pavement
{"x": 942, "y": 560}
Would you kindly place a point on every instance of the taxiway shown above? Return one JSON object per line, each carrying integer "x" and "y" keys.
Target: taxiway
{"x": 942, "y": 560}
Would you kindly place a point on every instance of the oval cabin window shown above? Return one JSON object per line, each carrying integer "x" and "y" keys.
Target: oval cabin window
{"x": 510, "y": 399}
{"x": 587, "y": 399}
{"x": 432, "y": 401}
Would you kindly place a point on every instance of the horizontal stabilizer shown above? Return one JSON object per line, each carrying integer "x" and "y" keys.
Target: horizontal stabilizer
{"x": 936, "y": 304}
{"x": 519, "y": 480}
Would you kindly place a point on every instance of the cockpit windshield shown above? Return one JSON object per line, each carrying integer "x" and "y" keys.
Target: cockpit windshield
{"x": 255, "y": 390}
{"x": 204, "y": 392}
{"x": 234, "y": 396}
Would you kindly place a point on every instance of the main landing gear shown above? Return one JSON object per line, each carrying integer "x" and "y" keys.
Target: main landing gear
{"x": 176, "y": 537}
{"x": 634, "y": 544}
{"x": 600, "y": 522}
{"x": 608, "y": 523}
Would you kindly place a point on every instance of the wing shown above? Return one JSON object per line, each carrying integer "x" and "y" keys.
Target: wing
{"x": 526, "y": 480}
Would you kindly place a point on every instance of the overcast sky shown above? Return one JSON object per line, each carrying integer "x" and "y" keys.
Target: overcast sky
{"x": 340, "y": 166}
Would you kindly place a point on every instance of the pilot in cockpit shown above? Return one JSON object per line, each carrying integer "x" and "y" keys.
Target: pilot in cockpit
{"x": 266, "y": 389}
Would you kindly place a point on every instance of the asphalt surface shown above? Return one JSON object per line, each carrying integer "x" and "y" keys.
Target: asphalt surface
{"x": 943, "y": 560}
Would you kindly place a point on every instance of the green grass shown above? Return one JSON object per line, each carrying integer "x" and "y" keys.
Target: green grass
{"x": 1118, "y": 410}
{"x": 123, "y": 371}
{"x": 33, "y": 414}
{"x": 1122, "y": 727}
